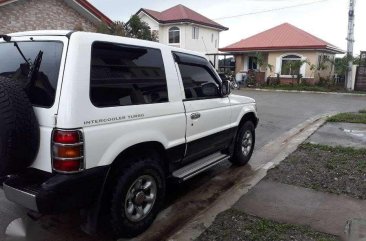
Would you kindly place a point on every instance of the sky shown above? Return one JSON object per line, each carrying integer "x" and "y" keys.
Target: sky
{"x": 326, "y": 19}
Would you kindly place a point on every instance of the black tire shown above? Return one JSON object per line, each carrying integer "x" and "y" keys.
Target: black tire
{"x": 239, "y": 158}
{"x": 143, "y": 165}
{"x": 19, "y": 129}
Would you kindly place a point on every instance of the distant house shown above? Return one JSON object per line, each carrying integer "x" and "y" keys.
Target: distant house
{"x": 25, "y": 15}
{"x": 182, "y": 27}
{"x": 281, "y": 46}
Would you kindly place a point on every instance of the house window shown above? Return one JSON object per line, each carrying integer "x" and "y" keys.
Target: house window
{"x": 212, "y": 37}
{"x": 290, "y": 65}
{"x": 252, "y": 62}
{"x": 174, "y": 35}
{"x": 195, "y": 32}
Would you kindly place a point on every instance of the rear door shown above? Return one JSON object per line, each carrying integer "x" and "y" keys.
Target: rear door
{"x": 207, "y": 113}
{"x": 44, "y": 93}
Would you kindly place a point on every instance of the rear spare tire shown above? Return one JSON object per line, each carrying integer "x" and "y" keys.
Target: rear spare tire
{"x": 19, "y": 129}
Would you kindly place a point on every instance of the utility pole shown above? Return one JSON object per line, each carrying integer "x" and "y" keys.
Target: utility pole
{"x": 350, "y": 41}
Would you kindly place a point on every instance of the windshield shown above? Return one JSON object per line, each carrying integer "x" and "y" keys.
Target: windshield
{"x": 12, "y": 65}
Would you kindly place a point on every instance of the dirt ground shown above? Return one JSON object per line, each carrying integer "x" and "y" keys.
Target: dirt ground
{"x": 336, "y": 170}
{"x": 235, "y": 225}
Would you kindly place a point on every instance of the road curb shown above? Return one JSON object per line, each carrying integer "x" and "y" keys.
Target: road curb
{"x": 303, "y": 91}
{"x": 261, "y": 162}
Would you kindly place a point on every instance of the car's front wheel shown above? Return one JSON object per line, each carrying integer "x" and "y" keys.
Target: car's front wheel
{"x": 244, "y": 144}
{"x": 138, "y": 196}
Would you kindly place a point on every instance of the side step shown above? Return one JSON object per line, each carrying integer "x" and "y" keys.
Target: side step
{"x": 199, "y": 166}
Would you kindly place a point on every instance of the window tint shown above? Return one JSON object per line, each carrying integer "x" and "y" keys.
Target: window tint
{"x": 194, "y": 77}
{"x": 42, "y": 92}
{"x": 126, "y": 75}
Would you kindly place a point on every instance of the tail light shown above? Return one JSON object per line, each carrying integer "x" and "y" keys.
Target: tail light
{"x": 67, "y": 151}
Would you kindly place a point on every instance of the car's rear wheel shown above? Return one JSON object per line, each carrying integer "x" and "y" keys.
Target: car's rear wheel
{"x": 137, "y": 197}
{"x": 244, "y": 144}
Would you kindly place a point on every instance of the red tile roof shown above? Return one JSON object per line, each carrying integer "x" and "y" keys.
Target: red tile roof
{"x": 181, "y": 13}
{"x": 85, "y": 4}
{"x": 95, "y": 11}
{"x": 284, "y": 36}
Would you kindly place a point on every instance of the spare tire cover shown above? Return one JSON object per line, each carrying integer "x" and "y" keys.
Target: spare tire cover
{"x": 19, "y": 129}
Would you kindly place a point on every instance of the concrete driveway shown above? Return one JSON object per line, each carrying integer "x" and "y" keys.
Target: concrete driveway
{"x": 278, "y": 112}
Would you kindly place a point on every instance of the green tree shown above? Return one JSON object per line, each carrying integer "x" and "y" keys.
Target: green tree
{"x": 117, "y": 28}
{"x": 341, "y": 64}
{"x": 261, "y": 62}
{"x": 135, "y": 28}
{"x": 294, "y": 67}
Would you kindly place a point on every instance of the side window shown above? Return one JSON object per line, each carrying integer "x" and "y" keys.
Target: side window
{"x": 194, "y": 78}
{"x": 126, "y": 75}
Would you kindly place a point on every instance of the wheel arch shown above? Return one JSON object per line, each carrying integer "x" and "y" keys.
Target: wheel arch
{"x": 250, "y": 116}
{"x": 152, "y": 146}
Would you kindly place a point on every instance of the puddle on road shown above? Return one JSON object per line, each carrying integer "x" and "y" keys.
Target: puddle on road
{"x": 359, "y": 134}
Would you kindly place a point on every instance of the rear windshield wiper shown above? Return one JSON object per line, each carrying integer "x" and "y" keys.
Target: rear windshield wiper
{"x": 34, "y": 68}
{"x": 8, "y": 39}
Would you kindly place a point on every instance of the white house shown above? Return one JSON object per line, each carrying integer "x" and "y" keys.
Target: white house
{"x": 182, "y": 27}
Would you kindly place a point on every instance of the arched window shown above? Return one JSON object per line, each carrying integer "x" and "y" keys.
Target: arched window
{"x": 291, "y": 65}
{"x": 174, "y": 37}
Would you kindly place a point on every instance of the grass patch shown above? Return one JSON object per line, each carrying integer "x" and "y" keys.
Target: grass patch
{"x": 308, "y": 87}
{"x": 235, "y": 225}
{"x": 302, "y": 87}
{"x": 339, "y": 170}
{"x": 349, "y": 117}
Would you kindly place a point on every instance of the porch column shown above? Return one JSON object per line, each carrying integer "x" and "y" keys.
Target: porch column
{"x": 239, "y": 63}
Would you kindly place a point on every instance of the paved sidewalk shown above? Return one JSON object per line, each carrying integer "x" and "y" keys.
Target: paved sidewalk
{"x": 340, "y": 134}
{"x": 309, "y": 91}
{"x": 323, "y": 212}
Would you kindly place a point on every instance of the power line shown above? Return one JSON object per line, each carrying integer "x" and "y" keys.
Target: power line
{"x": 271, "y": 10}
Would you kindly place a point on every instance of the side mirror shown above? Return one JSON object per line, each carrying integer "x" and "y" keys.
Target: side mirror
{"x": 226, "y": 90}
{"x": 210, "y": 90}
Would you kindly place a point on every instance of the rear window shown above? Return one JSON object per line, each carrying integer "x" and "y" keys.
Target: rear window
{"x": 123, "y": 75}
{"x": 12, "y": 65}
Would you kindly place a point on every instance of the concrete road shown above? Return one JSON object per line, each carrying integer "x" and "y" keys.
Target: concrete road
{"x": 281, "y": 111}
{"x": 278, "y": 113}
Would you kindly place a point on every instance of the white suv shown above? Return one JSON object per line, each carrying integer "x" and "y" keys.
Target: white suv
{"x": 98, "y": 122}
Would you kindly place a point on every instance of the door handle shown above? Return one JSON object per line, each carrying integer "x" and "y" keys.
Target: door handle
{"x": 195, "y": 116}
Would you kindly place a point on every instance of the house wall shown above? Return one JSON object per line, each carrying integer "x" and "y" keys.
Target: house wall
{"x": 311, "y": 56}
{"x": 150, "y": 21}
{"x": 274, "y": 58}
{"x": 26, "y": 15}
{"x": 204, "y": 44}
{"x": 329, "y": 68}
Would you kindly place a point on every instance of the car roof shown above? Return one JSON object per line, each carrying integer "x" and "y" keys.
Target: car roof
{"x": 42, "y": 33}
{"x": 97, "y": 36}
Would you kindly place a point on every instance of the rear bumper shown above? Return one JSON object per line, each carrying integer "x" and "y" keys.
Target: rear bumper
{"x": 54, "y": 193}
